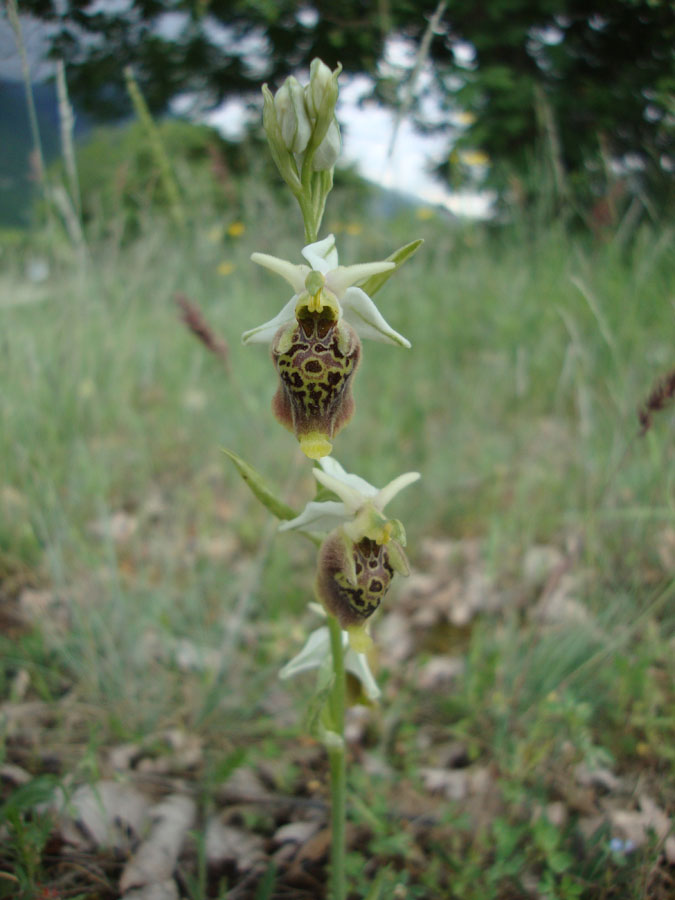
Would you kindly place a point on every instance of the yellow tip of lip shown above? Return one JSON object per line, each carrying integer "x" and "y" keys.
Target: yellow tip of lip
{"x": 359, "y": 639}
{"x": 315, "y": 445}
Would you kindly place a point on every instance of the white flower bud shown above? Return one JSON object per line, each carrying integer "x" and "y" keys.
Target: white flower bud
{"x": 328, "y": 150}
{"x": 322, "y": 91}
{"x": 289, "y": 104}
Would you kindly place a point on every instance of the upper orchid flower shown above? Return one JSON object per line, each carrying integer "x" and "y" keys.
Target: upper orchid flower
{"x": 326, "y": 285}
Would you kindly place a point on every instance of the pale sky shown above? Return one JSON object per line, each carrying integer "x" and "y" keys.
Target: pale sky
{"x": 367, "y": 133}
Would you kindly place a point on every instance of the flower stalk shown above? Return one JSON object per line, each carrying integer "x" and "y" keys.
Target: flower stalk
{"x": 338, "y": 767}
{"x": 315, "y": 343}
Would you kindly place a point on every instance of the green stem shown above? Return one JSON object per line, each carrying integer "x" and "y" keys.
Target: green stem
{"x": 336, "y": 755}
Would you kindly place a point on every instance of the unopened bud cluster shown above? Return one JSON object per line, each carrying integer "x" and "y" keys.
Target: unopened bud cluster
{"x": 300, "y": 122}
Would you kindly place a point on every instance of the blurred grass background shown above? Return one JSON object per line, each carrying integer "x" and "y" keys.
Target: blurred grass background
{"x": 532, "y": 350}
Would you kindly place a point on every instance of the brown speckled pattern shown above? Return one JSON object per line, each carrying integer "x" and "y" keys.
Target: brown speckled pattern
{"x": 352, "y": 603}
{"x": 315, "y": 366}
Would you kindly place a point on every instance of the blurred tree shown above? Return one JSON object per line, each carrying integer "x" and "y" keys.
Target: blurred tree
{"x": 579, "y": 91}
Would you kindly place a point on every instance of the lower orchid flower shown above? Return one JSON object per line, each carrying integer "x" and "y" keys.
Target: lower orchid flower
{"x": 361, "y": 552}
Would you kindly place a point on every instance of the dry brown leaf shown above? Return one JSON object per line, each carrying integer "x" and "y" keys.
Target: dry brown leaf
{"x": 106, "y": 814}
{"x": 118, "y": 527}
{"x": 452, "y": 783}
{"x": 123, "y": 757}
{"x": 440, "y": 672}
{"x": 44, "y": 608}
{"x": 296, "y": 832}
{"x": 395, "y": 637}
{"x": 159, "y": 890}
{"x": 244, "y": 785}
{"x": 561, "y": 605}
{"x": 636, "y": 825}
{"x": 665, "y": 547}
{"x": 291, "y": 837}
{"x": 227, "y": 845}
{"x": 598, "y": 777}
{"x": 14, "y": 776}
{"x": 155, "y": 859}
{"x": 539, "y": 563}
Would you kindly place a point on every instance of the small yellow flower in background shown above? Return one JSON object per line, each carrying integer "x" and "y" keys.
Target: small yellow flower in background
{"x": 354, "y": 229}
{"x": 424, "y": 213}
{"x": 215, "y": 235}
{"x": 236, "y": 229}
{"x": 474, "y": 158}
{"x": 642, "y": 749}
{"x": 86, "y": 389}
{"x": 225, "y": 268}
{"x": 194, "y": 400}
{"x": 465, "y": 117}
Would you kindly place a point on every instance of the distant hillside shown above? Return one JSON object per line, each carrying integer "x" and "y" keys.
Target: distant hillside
{"x": 16, "y": 144}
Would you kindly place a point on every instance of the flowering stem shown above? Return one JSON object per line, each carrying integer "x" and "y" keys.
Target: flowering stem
{"x": 336, "y": 755}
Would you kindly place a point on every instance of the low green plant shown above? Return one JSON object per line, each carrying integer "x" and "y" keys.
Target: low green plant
{"x": 28, "y": 831}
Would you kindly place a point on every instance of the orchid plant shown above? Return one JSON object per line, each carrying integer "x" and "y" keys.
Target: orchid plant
{"x": 315, "y": 343}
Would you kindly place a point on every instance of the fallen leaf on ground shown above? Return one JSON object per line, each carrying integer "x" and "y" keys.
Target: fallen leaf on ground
{"x": 163, "y": 890}
{"x": 440, "y": 672}
{"x": 106, "y": 814}
{"x": 539, "y": 563}
{"x": 636, "y": 825}
{"x": 117, "y": 527}
{"x": 227, "y": 845}
{"x": 155, "y": 859}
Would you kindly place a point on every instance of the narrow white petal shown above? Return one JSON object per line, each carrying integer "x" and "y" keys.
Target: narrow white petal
{"x": 345, "y": 276}
{"x": 315, "y": 651}
{"x": 318, "y": 517}
{"x": 352, "y": 498}
{"x": 357, "y": 664}
{"x": 294, "y": 275}
{"x": 333, "y": 468}
{"x": 390, "y": 490}
{"x": 362, "y": 314}
{"x": 264, "y": 334}
{"x": 322, "y": 255}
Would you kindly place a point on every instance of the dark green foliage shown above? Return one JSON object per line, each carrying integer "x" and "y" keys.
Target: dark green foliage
{"x": 120, "y": 179}
{"x": 561, "y": 92}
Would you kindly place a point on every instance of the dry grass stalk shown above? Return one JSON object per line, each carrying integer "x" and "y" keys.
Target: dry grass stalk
{"x": 67, "y": 124}
{"x": 661, "y": 396}
{"x": 192, "y": 317}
